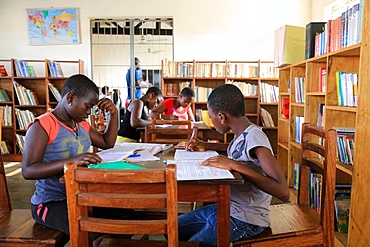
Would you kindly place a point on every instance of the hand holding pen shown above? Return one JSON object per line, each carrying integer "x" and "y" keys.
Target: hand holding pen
{"x": 193, "y": 143}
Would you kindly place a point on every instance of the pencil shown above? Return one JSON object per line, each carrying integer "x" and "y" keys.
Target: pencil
{"x": 192, "y": 136}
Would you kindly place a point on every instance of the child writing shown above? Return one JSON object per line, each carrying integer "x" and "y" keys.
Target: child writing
{"x": 178, "y": 108}
{"x": 136, "y": 115}
{"x": 62, "y": 136}
{"x": 250, "y": 154}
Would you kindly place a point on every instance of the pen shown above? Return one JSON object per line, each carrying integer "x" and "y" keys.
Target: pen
{"x": 133, "y": 155}
{"x": 192, "y": 136}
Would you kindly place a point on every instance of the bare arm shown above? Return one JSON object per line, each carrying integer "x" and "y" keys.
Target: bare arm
{"x": 108, "y": 138}
{"x": 157, "y": 111}
{"x": 199, "y": 145}
{"x": 274, "y": 183}
{"x": 33, "y": 153}
{"x": 190, "y": 114}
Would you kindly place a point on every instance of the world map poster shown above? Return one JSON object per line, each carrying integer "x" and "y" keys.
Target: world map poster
{"x": 53, "y": 26}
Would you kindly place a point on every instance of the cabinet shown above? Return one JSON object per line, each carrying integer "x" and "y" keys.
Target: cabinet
{"x": 252, "y": 77}
{"x": 38, "y": 85}
{"x": 355, "y": 59}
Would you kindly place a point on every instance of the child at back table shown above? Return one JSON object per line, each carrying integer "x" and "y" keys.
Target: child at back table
{"x": 250, "y": 154}
{"x": 177, "y": 108}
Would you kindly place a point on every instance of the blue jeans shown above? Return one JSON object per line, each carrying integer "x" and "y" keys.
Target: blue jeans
{"x": 200, "y": 225}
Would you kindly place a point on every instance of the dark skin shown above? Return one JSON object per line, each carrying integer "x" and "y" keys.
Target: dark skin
{"x": 136, "y": 106}
{"x": 183, "y": 101}
{"x": 70, "y": 109}
{"x": 274, "y": 183}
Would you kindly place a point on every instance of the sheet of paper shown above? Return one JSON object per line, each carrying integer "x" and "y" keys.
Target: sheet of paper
{"x": 132, "y": 146}
{"x": 196, "y": 155}
{"x": 113, "y": 154}
{"x": 192, "y": 170}
{"x": 163, "y": 125}
{"x": 144, "y": 156}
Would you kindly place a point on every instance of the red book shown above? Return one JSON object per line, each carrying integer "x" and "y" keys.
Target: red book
{"x": 3, "y": 71}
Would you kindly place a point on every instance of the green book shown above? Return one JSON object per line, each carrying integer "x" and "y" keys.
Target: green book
{"x": 117, "y": 165}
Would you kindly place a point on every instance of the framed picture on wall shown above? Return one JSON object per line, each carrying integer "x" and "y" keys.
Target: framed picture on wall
{"x": 55, "y": 26}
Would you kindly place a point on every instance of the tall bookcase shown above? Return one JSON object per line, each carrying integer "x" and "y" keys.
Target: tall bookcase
{"x": 355, "y": 58}
{"x": 203, "y": 76}
{"x": 39, "y": 85}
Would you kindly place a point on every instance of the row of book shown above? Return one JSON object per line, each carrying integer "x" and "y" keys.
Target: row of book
{"x": 269, "y": 93}
{"x": 247, "y": 89}
{"x": 7, "y": 115}
{"x": 5, "y": 148}
{"x": 174, "y": 89}
{"x": 20, "y": 142}
{"x": 202, "y": 115}
{"x": 266, "y": 118}
{"x": 202, "y": 93}
{"x": 181, "y": 69}
{"x": 25, "y": 96}
{"x": 343, "y": 29}
{"x": 24, "y": 118}
{"x": 55, "y": 69}
{"x": 341, "y": 198}
{"x": 347, "y": 88}
{"x": 299, "y": 89}
{"x": 23, "y": 69}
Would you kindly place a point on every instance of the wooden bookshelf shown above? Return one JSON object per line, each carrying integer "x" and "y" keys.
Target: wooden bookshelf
{"x": 39, "y": 85}
{"x": 355, "y": 58}
{"x": 203, "y": 76}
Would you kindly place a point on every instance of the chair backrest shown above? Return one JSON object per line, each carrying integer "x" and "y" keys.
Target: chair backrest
{"x": 177, "y": 132}
{"x": 319, "y": 153}
{"x": 137, "y": 189}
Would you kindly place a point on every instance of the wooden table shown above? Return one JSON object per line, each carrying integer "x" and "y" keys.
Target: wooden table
{"x": 217, "y": 190}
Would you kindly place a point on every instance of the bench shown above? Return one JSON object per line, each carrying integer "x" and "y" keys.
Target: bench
{"x": 297, "y": 224}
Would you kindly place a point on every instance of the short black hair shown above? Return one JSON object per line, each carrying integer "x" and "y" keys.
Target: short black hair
{"x": 155, "y": 90}
{"x": 227, "y": 98}
{"x": 105, "y": 90}
{"x": 187, "y": 91}
{"x": 80, "y": 85}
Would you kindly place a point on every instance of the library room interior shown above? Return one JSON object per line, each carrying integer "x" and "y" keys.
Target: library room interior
{"x": 207, "y": 123}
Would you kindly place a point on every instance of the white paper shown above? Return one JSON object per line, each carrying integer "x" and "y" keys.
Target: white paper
{"x": 152, "y": 148}
{"x": 144, "y": 156}
{"x": 193, "y": 170}
{"x": 195, "y": 155}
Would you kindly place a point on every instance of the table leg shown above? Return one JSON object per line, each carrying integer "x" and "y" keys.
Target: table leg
{"x": 223, "y": 214}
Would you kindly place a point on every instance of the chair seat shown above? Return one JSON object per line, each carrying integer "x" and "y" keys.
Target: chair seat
{"x": 113, "y": 242}
{"x": 288, "y": 220}
{"x": 18, "y": 228}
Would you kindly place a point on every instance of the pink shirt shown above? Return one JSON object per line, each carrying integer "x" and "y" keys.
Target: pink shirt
{"x": 171, "y": 109}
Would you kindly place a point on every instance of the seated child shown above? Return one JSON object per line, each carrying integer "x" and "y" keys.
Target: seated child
{"x": 136, "y": 115}
{"x": 250, "y": 154}
{"x": 176, "y": 108}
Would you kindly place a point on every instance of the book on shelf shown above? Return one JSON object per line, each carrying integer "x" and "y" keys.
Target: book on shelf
{"x": 345, "y": 144}
{"x": 320, "y": 115}
{"x": 24, "y": 118}
{"x": 3, "y": 71}
{"x": 299, "y": 120}
{"x": 55, "y": 69}
{"x": 206, "y": 119}
{"x": 266, "y": 118}
{"x": 322, "y": 79}
{"x": 296, "y": 176}
{"x": 25, "y": 96}
{"x": 342, "y": 199}
{"x": 31, "y": 70}
{"x": 285, "y": 105}
{"x": 247, "y": 89}
{"x": 312, "y": 29}
{"x": 7, "y": 115}
{"x": 346, "y": 83}
{"x": 269, "y": 93}
{"x": 4, "y": 96}
{"x": 4, "y": 147}
{"x": 55, "y": 92}
{"x": 299, "y": 89}
{"x": 20, "y": 142}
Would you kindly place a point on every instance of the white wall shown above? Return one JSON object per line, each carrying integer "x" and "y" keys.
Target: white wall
{"x": 204, "y": 29}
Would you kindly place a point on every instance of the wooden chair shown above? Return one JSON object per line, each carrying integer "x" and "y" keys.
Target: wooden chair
{"x": 298, "y": 224}
{"x": 179, "y": 131}
{"x": 17, "y": 227}
{"x": 152, "y": 188}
